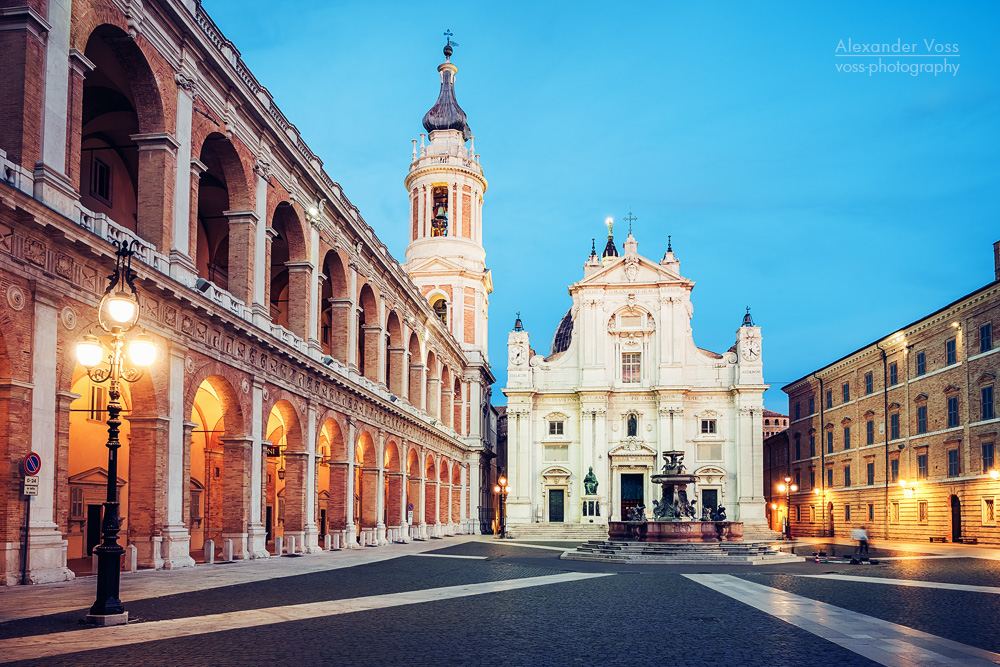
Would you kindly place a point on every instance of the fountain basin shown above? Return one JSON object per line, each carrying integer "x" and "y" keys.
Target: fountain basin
{"x": 676, "y": 531}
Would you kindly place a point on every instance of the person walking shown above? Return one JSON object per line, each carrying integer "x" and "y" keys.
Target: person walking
{"x": 861, "y": 535}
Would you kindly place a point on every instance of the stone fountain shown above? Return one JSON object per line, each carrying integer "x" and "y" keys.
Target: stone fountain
{"x": 674, "y": 514}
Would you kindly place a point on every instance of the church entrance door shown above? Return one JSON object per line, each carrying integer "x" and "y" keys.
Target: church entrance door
{"x": 555, "y": 505}
{"x": 632, "y": 495}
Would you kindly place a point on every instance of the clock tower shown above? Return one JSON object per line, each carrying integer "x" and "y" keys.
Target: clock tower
{"x": 445, "y": 257}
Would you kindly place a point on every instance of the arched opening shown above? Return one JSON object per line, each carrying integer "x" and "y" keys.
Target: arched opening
{"x": 287, "y": 469}
{"x": 366, "y": 488}
{"x": 218, "y": 499}
{"x": 456, "y": 494}
{"x": 413, "y": 478}
{"x": 416, "y": 380}
{"x": 446, "y": 396}
{"x": 395, "y": 354}
{"x": 335, "y": 319}
{"x": 222, "y": 221}
{"x": 440, "y": 307}
{"x": 458, "y": 401}
{"x": 289, "y": 272}
{"x": 392, "y": 507}
{"x": 333, "y": 476}
{"x": 124, "y": 158}
{"x": 439, "y": 224}
{"x": 430, "y": 492}
{"x": 433, "y": 386}
{"x": 444, "y": 494}
{"x": 369, "y": 334}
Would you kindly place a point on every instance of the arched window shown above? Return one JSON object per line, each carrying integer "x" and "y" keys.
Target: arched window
{"x": 441, "y": 309}
{"x": 439, "y": 224}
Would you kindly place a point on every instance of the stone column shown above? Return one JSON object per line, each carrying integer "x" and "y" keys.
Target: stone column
{"x": 147, "y": 487}
{"x": 182, "y": 266}
{"x": 154, "y": 209}
{"x": 197, "y": 169}
{"x": 256, "y": 530}
{"x": 351, "y": 530}
{"x": 341, "y": 324}
{"x": 176, "y": 539}
{"x": 310, "y": 538}
{"x": 64, "y": 401}
{"x": 47, "y": 558}
{"x": 300, "y": 284}
{"x": 296, "y": 477}
{"x": 263, "y": 233}
{"x": 79, "y": 67}
{"x": 314, "y": 345}
{"x": 380, "y": 508}
{"x": 189, "y": 428}
{"x": 242, "y": 244}
{"x": 421, "y": 515}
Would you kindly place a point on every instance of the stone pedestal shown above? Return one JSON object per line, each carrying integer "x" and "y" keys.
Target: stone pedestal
{"x": 676, "y": 531}
{"x": 593, "y": 510}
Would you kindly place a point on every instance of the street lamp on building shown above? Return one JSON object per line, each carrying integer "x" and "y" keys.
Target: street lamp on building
{"x": 118, "y": 313}
{"x": 501, "y": 489}
{"x": 787, "y": 488}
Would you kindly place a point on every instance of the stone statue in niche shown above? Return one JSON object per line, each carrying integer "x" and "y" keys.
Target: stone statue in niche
{"x": 633, "y": 425}
{"x": 590, "y": 482}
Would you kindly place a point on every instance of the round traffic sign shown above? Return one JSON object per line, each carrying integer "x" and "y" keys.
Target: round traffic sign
{"x": 409, "y": 507}
{"x": 31, "y": 464}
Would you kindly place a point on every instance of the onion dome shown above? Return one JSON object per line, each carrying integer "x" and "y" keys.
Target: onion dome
{"x": 446, "y": 114}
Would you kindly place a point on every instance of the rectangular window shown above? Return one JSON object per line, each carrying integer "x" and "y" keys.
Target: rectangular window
{"x": 829, "y": 442}
{"x": 869, "y": 383}
{"x": 987, "y": 401}
{"x": 798, "y": 479}
{"x": 921, "y": 419}
{"x": 812, "y": 514}
{"x": 894, "y": 426}
{"x": 921, "y": 466}
{"x": 921, "y": 363}
{"x": 708, "y": 426}
{"x": 829, "y": 399}
{"x": 870, "y": 432}
{"x": 952, "y": 411}
{"x": 986, "y": 337}
{"x": 922, "y": 511}
{"x": 796, "y": 410}
{"x": 950, "y": 352}
{"x": 894, "y": 469}
{"x": 812, "y": 446}
{"x": 100, "y": 180}
{"x": 953, "y": 463}
{"x": 631, "y": 367}
{"x": 98, "y": 403}
{"x": 798, "y": 513}
{"x": 829, "y": 478}
{"x": 812, "y": 479}
{"x": 894, "y": 512}
{"x": 870, "y": 472}
{"x": 989, "y": 512}
{"x": 893, "y": 374}
{"x": 76, "y": 503}
{"x": 847, "y": 437}
{"x": 847, "y": 512}
{"x": 555, "y": 428}
{"x": 987, "y": 456}
{"x": 812, "y": 404}
{"x": 798, "y": 448}
{"x": 847, "y": 475}
{"x": 871, "y": 511}
{"x": 845, "y": 389}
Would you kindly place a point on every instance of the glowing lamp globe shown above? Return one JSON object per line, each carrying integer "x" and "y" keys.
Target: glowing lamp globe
{"x": 89, "y": 351}
{"x": 503, "y": 481}
{"x": 142, "y": 350}
{"x": 496, "y": 489}
{"x": 121, "y": 307}
{"x": 781, "y": 488}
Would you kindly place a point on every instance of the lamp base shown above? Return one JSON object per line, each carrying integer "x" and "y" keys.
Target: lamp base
{"x": 104, "y": 620}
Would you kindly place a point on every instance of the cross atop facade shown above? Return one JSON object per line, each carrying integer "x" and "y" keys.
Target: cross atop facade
{"x": 448, "y": 35}
{"x": 630, "y": 219}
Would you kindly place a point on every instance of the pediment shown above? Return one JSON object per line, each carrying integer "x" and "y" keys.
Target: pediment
{"x": 435, "y": 264}
{"x": 632, "y": 448}
{"x": 632, "y": 269}
{"x": 95, "y": 476}
{"x": 986, "y": 377}
{"x": 845, "y": 421}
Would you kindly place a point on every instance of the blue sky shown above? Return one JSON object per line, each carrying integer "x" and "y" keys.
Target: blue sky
{"x": 838, "y": 205}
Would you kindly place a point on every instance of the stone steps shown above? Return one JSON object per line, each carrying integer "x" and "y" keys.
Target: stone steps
{"x": 580, "y": 532}
{"x": 735, "y": 553}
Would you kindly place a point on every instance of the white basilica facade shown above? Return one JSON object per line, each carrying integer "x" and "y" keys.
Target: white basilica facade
{"x": 624, "y": 381}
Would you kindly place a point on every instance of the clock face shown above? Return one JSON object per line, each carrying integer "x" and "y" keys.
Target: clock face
{"x": 516, "y": 354}
{"x": 751, "y": 350}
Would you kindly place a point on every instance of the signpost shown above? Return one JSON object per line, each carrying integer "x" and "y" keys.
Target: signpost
{"x": 409, "y": 514}
{"x": 30, "y": 466}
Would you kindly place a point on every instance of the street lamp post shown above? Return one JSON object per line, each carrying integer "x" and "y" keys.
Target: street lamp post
{"x": 501, "y": 489}
{"x": 787, "y": 488}
{"x": 117, "y": 314}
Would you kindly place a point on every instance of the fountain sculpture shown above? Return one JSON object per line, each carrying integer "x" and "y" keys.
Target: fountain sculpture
{"x": 674, "y": 514}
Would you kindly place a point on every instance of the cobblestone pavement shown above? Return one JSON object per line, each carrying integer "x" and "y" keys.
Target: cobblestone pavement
{"x": 514, "y": 604}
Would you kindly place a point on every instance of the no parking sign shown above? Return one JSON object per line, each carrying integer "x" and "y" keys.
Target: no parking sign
{"x": 31, "y": 464}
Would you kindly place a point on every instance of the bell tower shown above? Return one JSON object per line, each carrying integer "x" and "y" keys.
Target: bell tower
{"x": 445, "y": 257}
